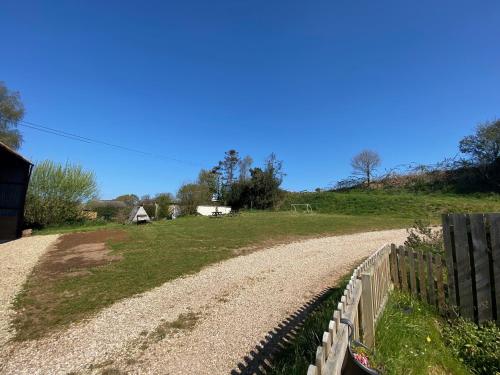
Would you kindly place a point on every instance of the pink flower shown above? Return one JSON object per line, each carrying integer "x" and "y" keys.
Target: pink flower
{"x": 362, "y": 359}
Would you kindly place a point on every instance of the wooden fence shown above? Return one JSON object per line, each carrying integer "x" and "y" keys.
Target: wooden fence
{"x": 362, "y": 303}
{"x": 472, "y": 244}
{"x": 419, "y": 273}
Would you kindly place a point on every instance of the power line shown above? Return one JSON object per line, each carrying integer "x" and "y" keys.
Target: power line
{"x": 76, "y": 137}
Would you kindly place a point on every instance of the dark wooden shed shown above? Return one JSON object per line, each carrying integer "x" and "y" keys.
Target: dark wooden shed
{"x": 15, "y": 173}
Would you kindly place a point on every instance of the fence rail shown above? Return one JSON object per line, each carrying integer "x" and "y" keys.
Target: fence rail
{"x": 362, "y": 303}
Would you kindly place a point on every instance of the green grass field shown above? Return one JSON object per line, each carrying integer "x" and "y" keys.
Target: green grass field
{"x": 161, "y": 251}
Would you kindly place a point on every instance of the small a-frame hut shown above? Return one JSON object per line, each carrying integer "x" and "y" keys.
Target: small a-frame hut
{"x": 139, "y": 215}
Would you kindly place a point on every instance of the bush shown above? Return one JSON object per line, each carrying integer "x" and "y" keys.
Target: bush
{"x": 56, "y": 194}
{"x": 477, "y": 346}
{"x": 421, "y": 236}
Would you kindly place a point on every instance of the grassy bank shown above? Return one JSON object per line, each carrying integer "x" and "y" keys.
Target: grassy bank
{"x": 394, "y": 204}
{"x": 409, "y": 340}
{"x": 155, "y": 253}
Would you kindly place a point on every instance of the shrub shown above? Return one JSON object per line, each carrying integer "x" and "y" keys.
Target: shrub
{"x": 477, "y": 346}
{"x": 421, "y": 236}
{"x": 56, "y": 194}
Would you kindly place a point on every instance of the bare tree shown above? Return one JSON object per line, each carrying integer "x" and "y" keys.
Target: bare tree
{"x": 365, "y": 164}
{"x": 245, "y": 164}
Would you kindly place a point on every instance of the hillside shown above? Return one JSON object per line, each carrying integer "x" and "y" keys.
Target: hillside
{"x": 394, "y": 204}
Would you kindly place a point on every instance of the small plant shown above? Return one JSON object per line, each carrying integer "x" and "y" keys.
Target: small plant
{"x": 421, "y": 236}
{"x": 478, "y": 347}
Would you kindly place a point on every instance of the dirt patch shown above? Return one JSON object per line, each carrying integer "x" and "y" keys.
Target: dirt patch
{"x": 75, "y": 253}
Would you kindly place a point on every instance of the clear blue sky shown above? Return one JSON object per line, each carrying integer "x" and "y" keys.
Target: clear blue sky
{"x": 313, "y": 81}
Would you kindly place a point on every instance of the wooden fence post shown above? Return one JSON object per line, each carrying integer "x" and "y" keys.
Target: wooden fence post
{"x": 394, "y": 267}
{"x": 421, "y": 276}
{"x": 481, "y": 267}
{"x": 439, "y": 279}
{"x": 402, "y": 268}
{"x": 430, "y": 279}
{"x": 413, "y": 278}
{"x": 463, "y": 266}
{"x": 450, "y": 264}
{"x": 494, "y": 220}
{"x": 368, "y": 313}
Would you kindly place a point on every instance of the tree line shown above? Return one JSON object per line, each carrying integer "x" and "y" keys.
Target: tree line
{"x": 234, "y": 182}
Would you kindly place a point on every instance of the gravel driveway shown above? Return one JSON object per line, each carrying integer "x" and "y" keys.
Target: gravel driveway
{"x": 17, "y": 259}
{"x": 204, "y": 323}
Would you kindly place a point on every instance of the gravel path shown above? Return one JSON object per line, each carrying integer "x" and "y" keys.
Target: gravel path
{"x": 17, "y": 259}
{"x": 232, "y": 305}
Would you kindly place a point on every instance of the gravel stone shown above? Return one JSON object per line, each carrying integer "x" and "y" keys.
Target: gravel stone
{"x": 17, "y": 259}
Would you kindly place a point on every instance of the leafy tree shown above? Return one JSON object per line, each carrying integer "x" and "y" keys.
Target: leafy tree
{"x": 190, "y": 196}
{"x": 365, "y": 163}
{"x": 163, "y": 200}
{"x": 483, "y": 146}
{"x": 129, "y": 199}
{"x": 210, "y": 180}
{"x": 56, "y": 193}
{"x": 11, "y": 112}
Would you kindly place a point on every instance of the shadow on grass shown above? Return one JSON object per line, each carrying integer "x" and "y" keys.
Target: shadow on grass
{"x": 291, "y": 346}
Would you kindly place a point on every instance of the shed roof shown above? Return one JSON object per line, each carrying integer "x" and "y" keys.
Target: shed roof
{"x": 6, "y": 148}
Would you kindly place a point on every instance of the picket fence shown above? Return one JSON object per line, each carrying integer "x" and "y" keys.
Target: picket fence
{"x": 362, "y": 303}
{"x": 422, "y": 274}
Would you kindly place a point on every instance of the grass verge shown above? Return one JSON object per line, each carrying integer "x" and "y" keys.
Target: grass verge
{"x": 409, "y": 340}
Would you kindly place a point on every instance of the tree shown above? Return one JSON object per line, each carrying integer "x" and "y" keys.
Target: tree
{"x": 262, "y": 190}
{"x": 484, "y": 145}
{"x": 245, "y": 164}
{"x": 163, "y": 200}
{"x": 190, "y": 196}
{"x": 11, "y": 112}
{"x": 229, "y": 167}
{"x": 56, "y": 193}
{"x": 129, "y": 199}
{"x": 365, "y": 163}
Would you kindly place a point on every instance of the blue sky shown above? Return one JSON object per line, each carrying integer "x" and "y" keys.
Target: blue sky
{"x": 313, "y": 81}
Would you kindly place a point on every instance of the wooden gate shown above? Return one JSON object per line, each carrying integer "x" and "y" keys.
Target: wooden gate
{"x": 472, "y": 244}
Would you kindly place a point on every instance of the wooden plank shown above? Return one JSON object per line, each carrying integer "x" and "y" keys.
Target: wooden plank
{"x": 402, "y": 268}
{"x": 334, "y": 363}
{"x": 413, "y": 279}
{"x": 450, "y": 265}
{"x": 494, "y": 221}
{"x": 464, "y": 272}
{"x": 421, "y": 276}
{"x": 320, "y": 359}
{"x": 368, "y": 319}
{"x": 430, "y": 279}
{"x": 439, "y": 278}
{"x": 481, "y": 267}
{"x": 326, "y": 343}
